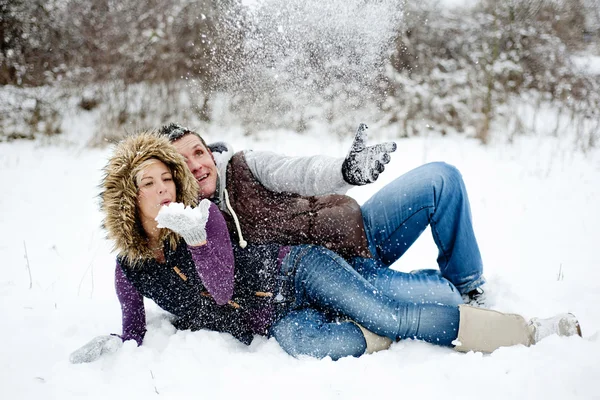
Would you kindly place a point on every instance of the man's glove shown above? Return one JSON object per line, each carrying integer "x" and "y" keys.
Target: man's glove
{"x": 92, "y": 351}
{"x": 188, "y": 222}
{"x": 364, "y": 164}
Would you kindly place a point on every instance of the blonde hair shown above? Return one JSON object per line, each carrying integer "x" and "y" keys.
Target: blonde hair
{"x": 139, "y": 170}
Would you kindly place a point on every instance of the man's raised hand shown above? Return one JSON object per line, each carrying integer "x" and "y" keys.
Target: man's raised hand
{"x": 363, "y": 164}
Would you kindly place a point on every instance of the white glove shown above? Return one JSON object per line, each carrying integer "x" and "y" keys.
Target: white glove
{"x": 188, "y": 222}
{"x": 106, "y": 344}
{"x": 364, "y": 163}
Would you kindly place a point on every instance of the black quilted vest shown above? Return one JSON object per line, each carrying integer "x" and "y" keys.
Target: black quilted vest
{"x": 175, "y": 286}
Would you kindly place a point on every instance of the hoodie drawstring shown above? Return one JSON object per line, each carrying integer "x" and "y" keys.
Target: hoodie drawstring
{"x": 242, "y": 242}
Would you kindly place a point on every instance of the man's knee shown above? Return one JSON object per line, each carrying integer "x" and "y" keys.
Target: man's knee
{"x": 445, "y": 170}
{"x": 444, "y": 176}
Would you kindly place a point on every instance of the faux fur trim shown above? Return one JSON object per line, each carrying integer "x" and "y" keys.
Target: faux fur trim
{"x": 118, "y": 199}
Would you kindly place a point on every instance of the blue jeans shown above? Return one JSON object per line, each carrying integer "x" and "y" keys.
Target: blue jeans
{"x": 326, "y": 286}
{"x": 435, "y": 195}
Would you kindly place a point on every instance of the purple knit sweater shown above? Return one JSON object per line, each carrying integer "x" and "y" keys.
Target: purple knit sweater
{"x": 214, "y": 263}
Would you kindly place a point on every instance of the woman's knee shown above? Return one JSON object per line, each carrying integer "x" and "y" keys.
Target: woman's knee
{"x": 293, "y": 331}
{"x": 308, "y": 333}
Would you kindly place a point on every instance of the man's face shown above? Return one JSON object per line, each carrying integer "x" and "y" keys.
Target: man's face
{"x": 200, "y": 161}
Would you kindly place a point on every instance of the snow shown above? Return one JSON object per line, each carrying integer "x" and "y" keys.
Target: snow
{"x": 587, "y": 63}
{"x": 313, "y": 58}
{"x": 536, "y": 214}
{"x": 177, "y": 213}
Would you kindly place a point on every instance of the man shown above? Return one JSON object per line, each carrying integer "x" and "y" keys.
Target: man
{"x": 271, "y": 198}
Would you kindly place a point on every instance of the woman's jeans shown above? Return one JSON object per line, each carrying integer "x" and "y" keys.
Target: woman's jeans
{"x": 390, "y": 303}
{"x": 326, "y": 286}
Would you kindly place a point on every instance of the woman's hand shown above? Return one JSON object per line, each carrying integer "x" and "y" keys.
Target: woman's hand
{"x": 188, "y": 222}
{"x": 95, "y": 348}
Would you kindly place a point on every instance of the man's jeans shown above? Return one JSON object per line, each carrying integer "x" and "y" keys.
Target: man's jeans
{"x": 325, "y": 285}
{"x": 435, "y": 195}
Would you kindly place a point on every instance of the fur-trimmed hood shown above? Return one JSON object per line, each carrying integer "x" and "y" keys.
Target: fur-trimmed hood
{"x": 118, "y": 199}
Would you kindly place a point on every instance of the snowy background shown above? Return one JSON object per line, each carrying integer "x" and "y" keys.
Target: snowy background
{"x": 301, "y": 75}
{"x": 536, "y": 214}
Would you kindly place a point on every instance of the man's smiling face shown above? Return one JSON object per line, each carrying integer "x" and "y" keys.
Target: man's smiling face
{"x": 200, "y": 161}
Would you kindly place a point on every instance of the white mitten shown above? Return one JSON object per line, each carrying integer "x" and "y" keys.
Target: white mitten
{"x": 188, "y": 222}
{"x": 92, "y": 351}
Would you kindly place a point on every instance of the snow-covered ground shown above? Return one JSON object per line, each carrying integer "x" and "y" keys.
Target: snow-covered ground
{"x": 536, "y": 214}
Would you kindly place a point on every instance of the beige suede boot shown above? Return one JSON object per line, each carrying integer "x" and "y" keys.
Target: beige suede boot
{"x": 374, "y": 342}
{"x": 487, "y": 330}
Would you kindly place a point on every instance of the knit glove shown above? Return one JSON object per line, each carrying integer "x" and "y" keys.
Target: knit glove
{"x": 188, "y": 222}
{"x": 106, "y": 344}
{"x": 364, "y": 163}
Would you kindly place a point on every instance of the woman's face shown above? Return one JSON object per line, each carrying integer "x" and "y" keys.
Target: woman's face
{"x": 156, "y": 188}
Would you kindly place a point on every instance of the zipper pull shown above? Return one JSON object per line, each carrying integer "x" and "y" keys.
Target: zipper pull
{"x": 264, "y": 294}
{"x": 181, "y": 274}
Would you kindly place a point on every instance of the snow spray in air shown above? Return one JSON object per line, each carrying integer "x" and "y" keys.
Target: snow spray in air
{"x": 306, "y": 61}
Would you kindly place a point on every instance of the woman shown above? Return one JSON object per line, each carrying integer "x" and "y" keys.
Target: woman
{"x": 307, "y": 297}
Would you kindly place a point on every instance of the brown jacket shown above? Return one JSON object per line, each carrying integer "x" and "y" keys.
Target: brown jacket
{"x": 334, "y": 221}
